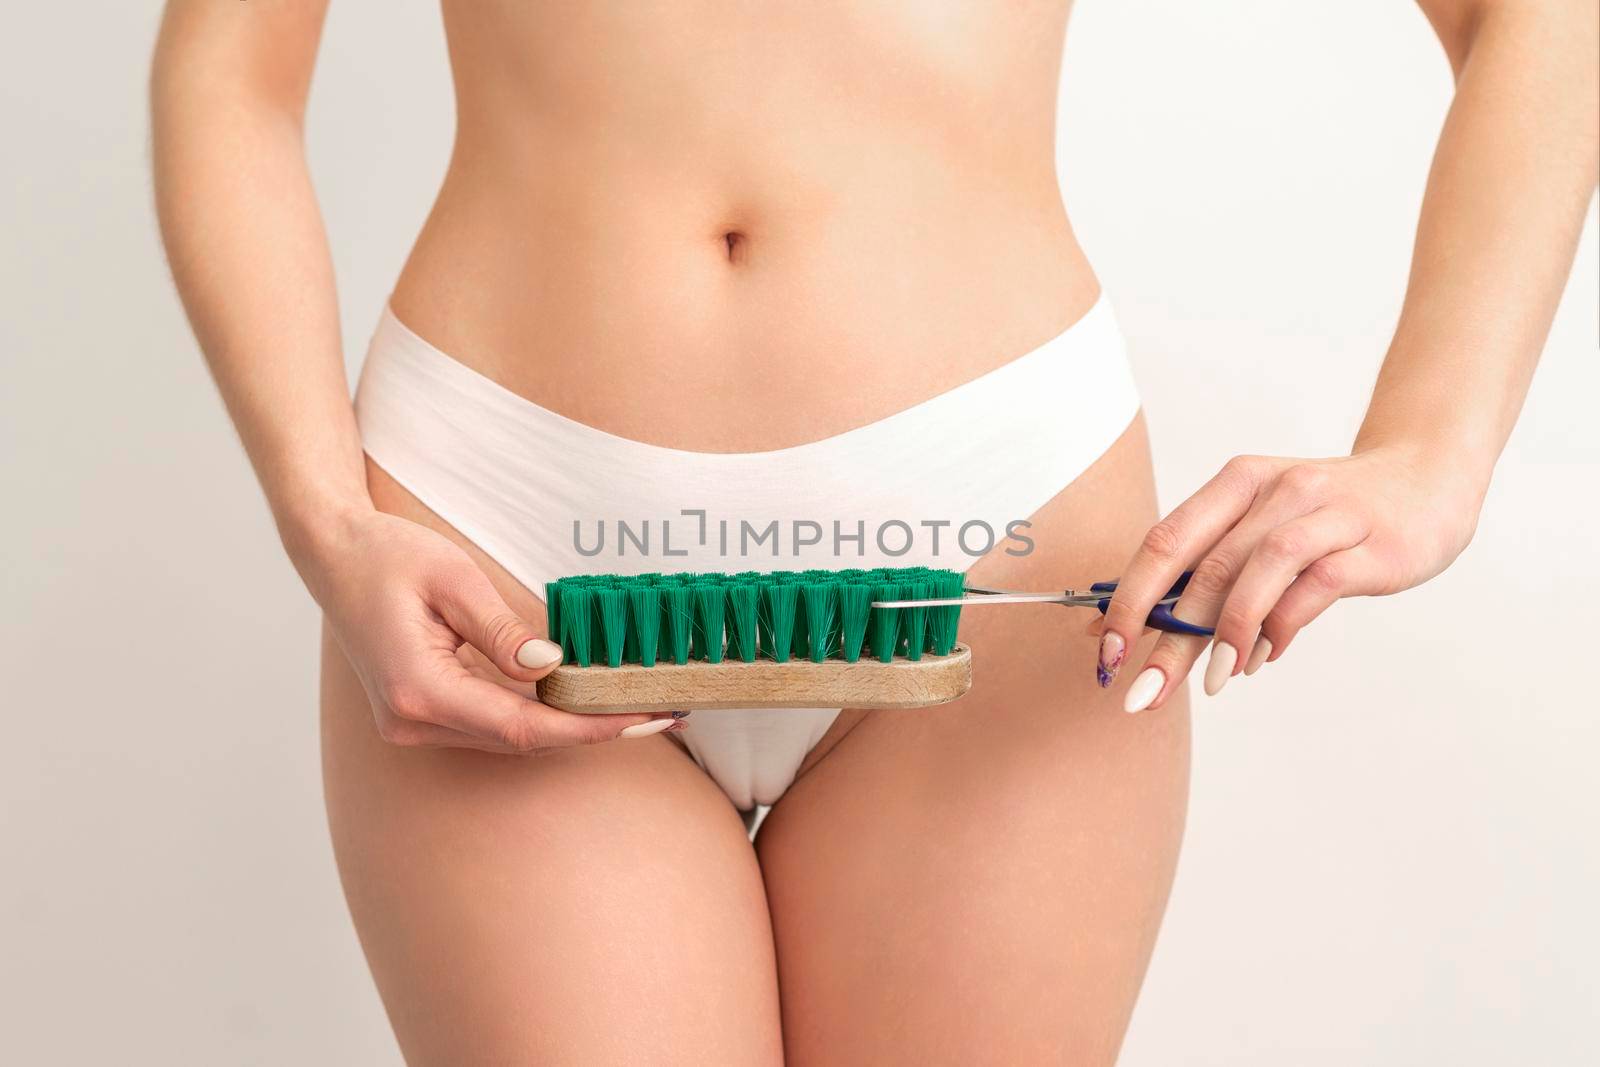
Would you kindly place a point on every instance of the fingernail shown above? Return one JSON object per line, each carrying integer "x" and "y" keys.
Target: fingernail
{"x": 1144, "y": 689}
{"x": 1113, "y": 650}
{"x": 680, "y": 715}
{"x": 537, "y": 652}
{"x": 1220, "y": 667}
{"x": 1258, "y": 655}
{"x": 645, "y": 729}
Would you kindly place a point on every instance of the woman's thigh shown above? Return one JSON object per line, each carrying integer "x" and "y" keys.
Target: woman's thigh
{"x": 595, "y": 905}
{"x": 983, "y": 882}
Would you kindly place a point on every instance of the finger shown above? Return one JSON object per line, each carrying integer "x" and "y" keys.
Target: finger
{"x": 477, "y": 613}
{"x": 1213, "y": 579}
{"x": 1175, "y": 654}
{"x": 1097, "y": 626}
{"x": 1169, "y": 660}
{"x": 482, "y": 709}
{"x": 1191, "y": 528}
{"x": 478, "y": 664}
{"x": 1352, "y": 572}
{"x": 1259, "y": 652}
{"x": 408, "y": 733}
{"x": 1279, "y": 557}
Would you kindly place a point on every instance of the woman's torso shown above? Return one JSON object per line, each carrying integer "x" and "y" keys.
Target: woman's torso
{"x": 741, "y": 226}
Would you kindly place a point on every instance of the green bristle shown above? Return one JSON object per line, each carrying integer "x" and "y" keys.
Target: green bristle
{"x": 576, "y": 629}
{"x": 552, "y": 610}
{"x": 914, "y": 625}
{"x": 697, "y": 636}
{"x": 836, "y": 626}
{"x": 680, "y": 621}
{"x": 663, "y": 639}
{"x": 612, "y": 610}
{"x": 822, "y": 601}
{"x": 742, "y": 630}
{"x": 763, "y": 618}
{"x": 778, "y": 603}
{"x": 884, "y": 624}
{"x": 559, "y": 635}
{"x": 830, "y": 634}
{"x": 630, "y": 632}
{"x": 943, "y": 622}
{"x": 838, "y": 615}
{"x": 854, "y": 607}
{"x": 709, "y": 610}
{"x": 800, "y": 646}
{"x": 645, "y": 604}
{"x": 815, "y": 614}
{"x": 597, "y": 637}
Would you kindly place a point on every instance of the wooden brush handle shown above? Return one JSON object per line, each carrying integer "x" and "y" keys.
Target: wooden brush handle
{"x": 799, "y": 683}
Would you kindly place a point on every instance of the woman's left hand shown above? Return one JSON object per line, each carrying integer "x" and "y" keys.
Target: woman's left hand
{"x": 1274, "y": 541}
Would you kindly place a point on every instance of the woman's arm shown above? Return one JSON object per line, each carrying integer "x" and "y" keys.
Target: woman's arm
{"x": 246, "y": 243}
{"x": 1504, "y": 207}
{"x": 1279, "y": 540}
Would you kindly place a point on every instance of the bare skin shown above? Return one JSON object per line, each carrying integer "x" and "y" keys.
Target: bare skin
{"x": 1034, "y": 831}
{"x": 685, "y": 224}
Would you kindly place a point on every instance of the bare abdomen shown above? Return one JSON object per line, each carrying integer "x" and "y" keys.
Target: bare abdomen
{"x": 727, "y": 232}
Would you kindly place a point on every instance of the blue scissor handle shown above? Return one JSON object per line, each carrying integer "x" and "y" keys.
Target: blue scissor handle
{"x": 1161, "y": 617}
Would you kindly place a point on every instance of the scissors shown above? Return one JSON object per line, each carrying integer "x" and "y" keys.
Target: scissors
{"x": 1097, "y": 596}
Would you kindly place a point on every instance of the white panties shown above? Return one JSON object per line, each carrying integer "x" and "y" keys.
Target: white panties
{"x": 939, "y": 484}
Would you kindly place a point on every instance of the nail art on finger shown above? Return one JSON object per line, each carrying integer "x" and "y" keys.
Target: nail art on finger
{"x": 1113, "y": 650}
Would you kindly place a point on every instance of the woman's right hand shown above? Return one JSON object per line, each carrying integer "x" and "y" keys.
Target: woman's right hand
{"x": 409, "y": 608}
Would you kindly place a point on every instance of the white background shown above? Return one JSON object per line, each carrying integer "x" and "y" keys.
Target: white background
{"x": 1393, "y": 830}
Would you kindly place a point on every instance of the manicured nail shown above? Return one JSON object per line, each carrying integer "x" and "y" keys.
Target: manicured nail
{"x": 1113, "y": 650}
{"x": 680, "y": 715}
{"x": 1144, "y": 689}
{"x": 1258, "y": 655}
{"x": 1220, "y": 667}
{"x": 645, "y": 729}
{"x": 537, "y": 652}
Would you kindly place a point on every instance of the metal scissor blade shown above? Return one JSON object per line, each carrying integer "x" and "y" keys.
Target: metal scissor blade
{"x": 982, "y": 598}
{"x": 1069, "y": 598}
{"x": 1083, "y": 597}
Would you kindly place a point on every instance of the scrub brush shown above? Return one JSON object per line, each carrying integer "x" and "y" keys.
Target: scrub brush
{"x": 775, "y": 639}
